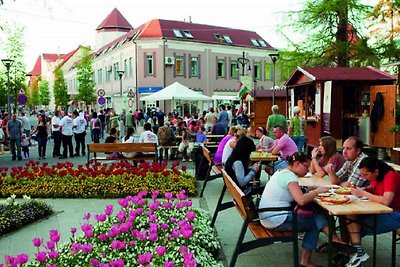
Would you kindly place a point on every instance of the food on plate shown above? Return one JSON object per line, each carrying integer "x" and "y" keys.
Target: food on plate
{"x": 337, "y": 200}
{"x": 343, "y": 191}
{"x": 327, "y": 194}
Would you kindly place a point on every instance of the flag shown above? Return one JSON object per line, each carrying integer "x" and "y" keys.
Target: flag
{"x": 243, "y": 90}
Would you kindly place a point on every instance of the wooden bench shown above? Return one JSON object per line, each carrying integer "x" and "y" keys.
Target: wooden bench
{"x": 97, "y": 148}
{"x": 248, "y": 212}
{"x": 215, "y": 169}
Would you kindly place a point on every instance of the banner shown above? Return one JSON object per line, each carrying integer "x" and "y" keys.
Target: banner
{"x": 245, "y": 86}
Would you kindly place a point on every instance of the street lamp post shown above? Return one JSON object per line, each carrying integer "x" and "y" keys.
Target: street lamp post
{"x": 274, "y": 58}
{"x": 8, "y": 63}
{"x": 120, "y": 74}
{"x": 243, "y": 61}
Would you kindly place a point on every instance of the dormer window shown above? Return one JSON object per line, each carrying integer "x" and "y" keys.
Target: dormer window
{"x": 254, "y": 42}
{"x": 219, "y": 38}
{"x": 227, "y": 39}
{"x": 177, "y": 33}
{"x": 188, "y": 34}
{"x": 262, "y": 43}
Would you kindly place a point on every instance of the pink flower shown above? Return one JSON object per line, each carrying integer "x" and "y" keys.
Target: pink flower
{"x": 41, "y": 257}
{"x": 109, "y": 210}
{"x": 89, "y": 234}
{"x": 183, "y": 249}
{"x": 102, "y": 237}
{"x": 37, "y": 241}
{"x": 53, "y": 254}
{"x": 169, "y": 264}
{"x": 50, "y": 245}
{"x": 168, "y": 195}
{"x": 22, "y": 258}
{"x": 189, "y": 260}
{"x": 117, "y": 263}
{"x": 11, "y": 261}
{"x": 86, "y": 248}
{"x": 145, "y": 258}
{"x": 160, "y": 250}
{"x": 153, "y": 236}
{"x": 190, "y": 215}
{"x": 121, "y": 215}
{"x": 164, "y": 226}
{"x": 94, "y": 262}
{"x": 86, "y": 216}
{"x": 123, "y": 202}
{"x": 54, "y": 236}
{"x": 73, "y": 230}
{"x": 155, "y": 194}
{"x": 100, "y": 217}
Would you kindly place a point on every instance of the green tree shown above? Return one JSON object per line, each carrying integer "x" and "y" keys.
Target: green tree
{"x": 13, "y": 46}
{"x": 33, "y": 99}
{"x": 86, "y": 83}
{"x": 333, "y": 34}
{"x": 61, "y": 96}
{"x": 44, "y": 93}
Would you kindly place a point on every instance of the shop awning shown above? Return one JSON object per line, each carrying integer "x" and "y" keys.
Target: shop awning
{"x": 225, "y": 97}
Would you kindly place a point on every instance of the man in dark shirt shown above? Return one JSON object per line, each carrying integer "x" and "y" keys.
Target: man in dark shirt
{"x": 14, "y": 132}
{"x": 217, "y": 127}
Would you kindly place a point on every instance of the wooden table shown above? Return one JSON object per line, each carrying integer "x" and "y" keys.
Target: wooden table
{"x": 262, "y": 156}
{"x": 354, "y": 207}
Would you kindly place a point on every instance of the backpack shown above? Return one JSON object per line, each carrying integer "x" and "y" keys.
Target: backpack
{"x": 164, "y": 136}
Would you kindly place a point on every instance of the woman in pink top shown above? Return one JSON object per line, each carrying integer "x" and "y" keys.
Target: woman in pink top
{"x": 220, "y": 149}
{"x": 327, "y": 148}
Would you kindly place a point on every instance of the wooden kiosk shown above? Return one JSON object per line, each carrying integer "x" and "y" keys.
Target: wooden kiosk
{"x": 340, "y": 101}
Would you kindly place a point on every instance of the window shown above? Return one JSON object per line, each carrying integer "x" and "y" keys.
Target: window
{"x": 219, "y": 38}
{"x": 149, "y": 65}
{"x": 116, "y": 69}
{"x": 108, "y": 71}
{"x": 130, "y": 67}
{"x": 234, "y": 69}
{"x": 257, "y": 70}
{"x": 268, "y": 71}
{"x": 100, "y": 76}
{"x": 221, "y": 68}
{"x": 179, "y": 66}
{"x": 188, "y": 34}
{"x": 126, "y": 68}
{"x": 262, "y": 43}
{"x": 194, "y": 66}
{"x": 177, "y": 33}
{"x": 254, "y": 42}
{"x": 227, "y": 39}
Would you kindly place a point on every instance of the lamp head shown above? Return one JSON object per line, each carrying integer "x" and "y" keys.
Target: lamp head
{"x": 120, "y": 73}
{"x": 274, "y": 57}
{"x": 7, "y": 63}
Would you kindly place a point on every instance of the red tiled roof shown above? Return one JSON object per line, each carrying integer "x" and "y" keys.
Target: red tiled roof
{"x": 69, "y": 55}
{"x": 37, "y": 69}
{"x": 52, "y": 57}
{"x": 158, "y": 28}
{"x": 114, "y": 20}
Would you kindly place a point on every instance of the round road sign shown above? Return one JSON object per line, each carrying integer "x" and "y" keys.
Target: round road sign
{"x": 130, "y": 102}
{"x": 101, "y": 92}
{"x": 22, "y": 99}
{"x": 101, "y": 100}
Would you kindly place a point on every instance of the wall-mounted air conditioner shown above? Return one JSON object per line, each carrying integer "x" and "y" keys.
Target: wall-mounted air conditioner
{"x": 169, "y": 60}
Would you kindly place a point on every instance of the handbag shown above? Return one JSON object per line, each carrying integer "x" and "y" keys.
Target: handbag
{"x": 307, "y": 210}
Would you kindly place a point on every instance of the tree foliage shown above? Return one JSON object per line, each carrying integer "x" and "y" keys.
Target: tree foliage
{"x": 44, "y": 93}
{"x": 61, "y": 96}
{"x": 33, "y": 99}
{"x": 333, "y": 38}
{"x": 86, "y": 83}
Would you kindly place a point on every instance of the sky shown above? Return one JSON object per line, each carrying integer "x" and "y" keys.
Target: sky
{"x": 59, "y": 26}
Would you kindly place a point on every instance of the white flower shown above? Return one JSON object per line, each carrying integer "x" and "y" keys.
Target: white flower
{"x": 26, "y": 197}
{"x": 13, "y": 196}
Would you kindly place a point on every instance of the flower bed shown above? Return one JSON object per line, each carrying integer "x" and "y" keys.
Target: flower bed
{"x": 144, "y": 232}
{"x": 14, "y": 215}
{"x": 94, "y": 181}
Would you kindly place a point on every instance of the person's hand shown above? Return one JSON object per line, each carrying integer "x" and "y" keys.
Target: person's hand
{"x": 256, "y": 166}
{"x": 314, "y": 152}
{"x": 322, "y": 189}
{"x": 358, "y": 192}
{"x": 329, "y": 168}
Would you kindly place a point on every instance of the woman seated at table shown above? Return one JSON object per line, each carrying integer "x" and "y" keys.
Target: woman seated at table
{"x": 281, "y": 190}
{"x": 385, "y": 189}
{"x": 327, "y": 148}
{"x": 230, "y": 145}
{"x": 220, "y": 149}
{"x": 238, "y": 164}
{"x": 264, "y": 141}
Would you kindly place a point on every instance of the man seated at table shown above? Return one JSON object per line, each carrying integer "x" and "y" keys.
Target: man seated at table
{"x": 283, "y": 146}
{"x": 349, "y": 174}
{"x": 217, "y": 127}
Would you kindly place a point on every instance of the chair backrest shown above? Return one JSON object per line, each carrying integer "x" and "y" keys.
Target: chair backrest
{"x": 207, "y": 154}
{"x": 242, "y": 202}
{"x": 122, "y": 147}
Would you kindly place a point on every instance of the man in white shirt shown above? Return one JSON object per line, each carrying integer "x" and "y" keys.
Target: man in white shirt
{"x": 148, "y": 136}
{"x": 26, "y": 127}
{"x": 66, "y": 125}
{"x": 55, "y": 129}
{"x": 79, "y": 128}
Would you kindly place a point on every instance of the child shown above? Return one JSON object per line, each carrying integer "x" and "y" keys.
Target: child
{"x": 201, "y": 135}
{"x": 25, "y": 146}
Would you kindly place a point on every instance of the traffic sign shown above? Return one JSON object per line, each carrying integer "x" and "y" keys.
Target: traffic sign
{"x": 21, "y": 92}
{"x": 131, "y": 93}
{"x": 101, "y": 92}
{"x": 101, "y": 100}
{"x": 130, "y": 102}
{"x": 22, "y": 99}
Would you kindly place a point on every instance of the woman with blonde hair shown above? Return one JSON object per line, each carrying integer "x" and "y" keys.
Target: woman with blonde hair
{"x": 329, "y": 157}
{"x": 220, "y": 149}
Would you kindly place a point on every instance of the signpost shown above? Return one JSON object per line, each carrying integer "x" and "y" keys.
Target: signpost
{"x": 21, "y": 98}
{"x": 101, "y": 101}
{"x": 131, "y": 95}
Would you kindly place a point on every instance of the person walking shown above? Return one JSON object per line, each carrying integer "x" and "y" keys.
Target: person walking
{"x": 79, "y": 128}
{"x": 55, "y": 129}
{"x": 26, "y": 127}
{"x": 66, "y": 125}
{"x": 297, "y": 128}
{"x": 95, "y": 125}
{"x": 275, "y": 119}
{"x": 102, "y": 118}
{"x": 42, "y": 133}
{"x": 14, "y": 133}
